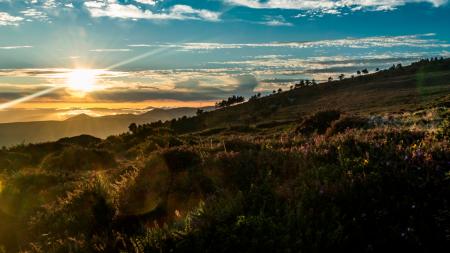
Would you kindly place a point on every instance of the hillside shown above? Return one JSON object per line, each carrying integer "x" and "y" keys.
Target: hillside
{"x": 299, "y": 171}
{"x": 42, "y": 131}
{"x": 409, "y": 88}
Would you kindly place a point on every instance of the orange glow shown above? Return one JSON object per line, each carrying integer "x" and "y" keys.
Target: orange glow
{"x": 121, "y": 105}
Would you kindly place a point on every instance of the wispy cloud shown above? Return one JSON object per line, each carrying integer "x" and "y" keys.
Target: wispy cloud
{"x": 33, "y": 14}
{"x": 416, "y": 41}
{"x": 330, "y": 6}
{"x": 113, "y": 9}
{"x": 14, "y": 47}
{"x": 110, "y": 50}
{"x": 275, "y": 21}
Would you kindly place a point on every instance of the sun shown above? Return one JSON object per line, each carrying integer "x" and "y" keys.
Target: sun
{"x": 82, "y": 80}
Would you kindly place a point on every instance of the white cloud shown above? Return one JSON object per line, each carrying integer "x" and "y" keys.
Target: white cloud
{"x": 330, "y": 6}
{"x": 275, "y": 21}
{"x": 14, "y": 47}
{"x": 110, "y": 50}
{"x": 34, "y": 14}
{"x": 149, "y": 2}
{"x": 417, "y": 41}
{"x": 113, "y": 9}
{"x": 6, "y": 19}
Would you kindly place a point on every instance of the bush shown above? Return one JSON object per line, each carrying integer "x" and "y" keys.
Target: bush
{"x": 180, "y": 159}
{"x": 349, "y": 122}
{"x": 319, "y": 122}
{"x": 75, "y": 158}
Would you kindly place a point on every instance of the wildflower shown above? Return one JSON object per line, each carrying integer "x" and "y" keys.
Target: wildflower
{"x": 414, "y": 146}
{"x": 365, "y": 162}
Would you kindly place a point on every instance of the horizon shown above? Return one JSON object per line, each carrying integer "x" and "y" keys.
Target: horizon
{"x": 60, "y": 58}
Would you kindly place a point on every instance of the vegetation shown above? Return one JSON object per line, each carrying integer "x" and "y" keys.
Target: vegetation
{"x": 230, "y": 101}
{"x": 327, "y": 180}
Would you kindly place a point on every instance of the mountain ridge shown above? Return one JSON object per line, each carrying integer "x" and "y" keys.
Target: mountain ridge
{"x": 15, "y": 133}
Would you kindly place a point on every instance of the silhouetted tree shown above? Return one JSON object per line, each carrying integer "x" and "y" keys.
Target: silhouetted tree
{"x": 133, "y": 128}
{"x": 300, "y": 84}
{"x": 230, "y": 101}
{"x": 358, "y": 72}
{"x": 280, "y": 90}
{"x": 377, "y": 69}
{"x": 330, "y": 79}
{"x": 341, "y": 77}
{"x": 365, "y": 71}
{"x": 199, "y": 112}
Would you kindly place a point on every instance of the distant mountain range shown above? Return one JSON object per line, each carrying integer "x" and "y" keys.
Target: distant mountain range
{"x": 42, "y": 131}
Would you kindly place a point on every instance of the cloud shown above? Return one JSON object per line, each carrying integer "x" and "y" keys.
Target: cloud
{"x": 14, "y": 47}
{"x": 114, "y": 9}
{"x": 110, "y": 50}
{"x": 414, "y": 41}
{"x": 34, "y": 15}
{"x": 275, "y": 21}
{"x": 8, "y": 20}
{"x": 331, "y": 6}
{"x": 149, "y": 2}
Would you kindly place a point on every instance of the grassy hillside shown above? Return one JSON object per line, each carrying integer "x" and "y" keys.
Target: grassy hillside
{"x": 408, "y": 88}
{"x": 312, "y": 175}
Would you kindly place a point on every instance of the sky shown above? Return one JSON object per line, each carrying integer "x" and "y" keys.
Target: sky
{"x": 171, "y": 53}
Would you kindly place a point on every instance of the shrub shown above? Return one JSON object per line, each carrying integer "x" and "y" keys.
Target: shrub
{"x": 349, "y": 122}
{"x": 75, "y": 158}
{"x": 240, "y": 145}
{"x": 180, "y": 158}
{"x": 319, "y": 122}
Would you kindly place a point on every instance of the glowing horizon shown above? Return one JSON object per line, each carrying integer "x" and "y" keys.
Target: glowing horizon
{"x": 121, "y": 54}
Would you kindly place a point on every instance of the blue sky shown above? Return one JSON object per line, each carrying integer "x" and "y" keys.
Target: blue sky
{"x": 174, "y": 52}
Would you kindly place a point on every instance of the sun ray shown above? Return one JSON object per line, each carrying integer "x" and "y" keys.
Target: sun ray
{"x": 43, "y": 92}
{"x": 29, "y": 97}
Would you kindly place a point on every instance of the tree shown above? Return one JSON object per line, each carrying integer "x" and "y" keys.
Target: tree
{"x": 313, "y": 82}
{"x": 230, "y": 101}
{"x": 133, "y": 128}
{"x": 330, "y": 79}
{"x": 377, "y": 69}
{"x": 199, "y": 112}
{"x": 365, "y": 71}
{"x": 300, "y": 84}
{"x": 358, "y": 72}
{"x": 280, "y": 90}
{"x": 341, "y": 77}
